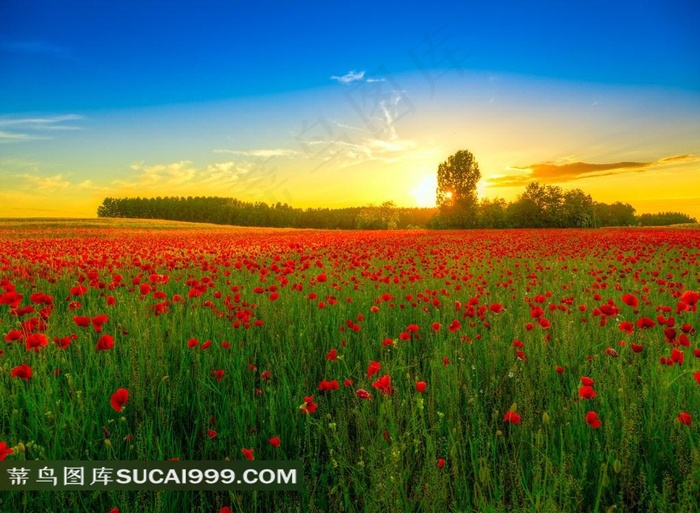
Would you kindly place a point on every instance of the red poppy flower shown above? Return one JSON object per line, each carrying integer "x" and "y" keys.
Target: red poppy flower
{"x": 105, "y": 343}
{"x": 274, "y": 441}
{"x": 212, "y": 434}
{"x": 98, "y": 321}
{"x": 332, "y": 354}
{"x": 248, "y": 454}
{"x": 511, "y": 417}
{"x": 5, "y": 451}
{"x": 645, "y": 323}
{"x": 383, "y": 384}
{"x": 441, "y": 463}
{"x": 627, "y": 327}
{"x": 81, "y": 321}
{"x": 225, "y": 509}
{"x": 218, "y": 374}
{"x": 328, "y": 385}
{"x": 560, "y": 369}
{"x": 586, "y": 392}
{"x": 611, "y": 352}
{"x": 193, "y": 342}
{"x": 36, "y": 341}
{"x": 593, "y": 420}
{"x": 78, "y": 290}
{"x": 363, "y": 394}
{"x": 119, "y": 399}
{"x": 684, "y": 418}
{"x": 586, "y": 381}
{"x": 677, "y": 356}
{"x": 373, "y": 368}
{"x": 64, "y": 342}
{"x": 637, "y": 348}
{"x": 697, "y": 377}
{"x": 23, "y": 371}
{"x": 309, "y": 406}
{"x": 690, "y": 298}
{"x": 13, "y": 335}
{"x": 630, "y": 300}
{"x": 420, "y": 386}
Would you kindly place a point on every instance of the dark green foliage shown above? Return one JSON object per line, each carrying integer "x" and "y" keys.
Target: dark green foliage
{"x": 665, "y": 219}
{"x": 231, "y": 211}
{"x": 457, "y": 178}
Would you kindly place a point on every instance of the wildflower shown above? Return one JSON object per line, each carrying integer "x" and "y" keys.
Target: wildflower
{"x": 119, "y": 399}
{"x": 593, "y": 420}
{"x": 23, "y": 371}
{"x": 684, "y": 418}
{"x": 512, "y": 417}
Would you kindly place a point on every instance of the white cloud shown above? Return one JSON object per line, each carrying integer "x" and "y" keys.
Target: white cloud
{"x": 10, "y": 137}
{"x": 14, "y": 129}
{"x": 263, "y": 153}
{"x": 349, "y": 77}
{"x": 47, "y": 183}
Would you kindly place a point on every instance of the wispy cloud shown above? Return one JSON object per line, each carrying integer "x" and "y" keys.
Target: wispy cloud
{"x": 561, "y": 172}
{"x": 262, "y": 153}
{"x": 13, "y": 137}
{"x": 349, "y": 77}
{"x": 22, "y": 129}
{"x": 356, "y": 76}
{"x": 183, "y": 176}
{"x": 47, "y": 183}
{"x": 365, "y": 146}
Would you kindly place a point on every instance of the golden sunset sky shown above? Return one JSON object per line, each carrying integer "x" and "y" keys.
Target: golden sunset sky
{"x": 304, "y": 107}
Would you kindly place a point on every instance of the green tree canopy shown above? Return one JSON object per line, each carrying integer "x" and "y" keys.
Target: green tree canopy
{"x": 457, "y": 178}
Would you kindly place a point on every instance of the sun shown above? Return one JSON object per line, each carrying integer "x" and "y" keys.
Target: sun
{"x": 424, "y": 192}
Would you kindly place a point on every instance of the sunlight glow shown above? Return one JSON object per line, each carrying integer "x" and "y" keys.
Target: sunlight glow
{"x": 424, "y": 192}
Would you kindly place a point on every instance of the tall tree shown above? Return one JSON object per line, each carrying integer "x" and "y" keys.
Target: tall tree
{"x": 457, "y": 178}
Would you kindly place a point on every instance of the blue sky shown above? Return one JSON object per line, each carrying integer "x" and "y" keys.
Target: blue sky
{"x": 102, "y": 99}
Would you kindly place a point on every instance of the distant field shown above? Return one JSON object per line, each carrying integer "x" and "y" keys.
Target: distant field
{"x": 509, "y": 370}
{"x": 149, "y": 224}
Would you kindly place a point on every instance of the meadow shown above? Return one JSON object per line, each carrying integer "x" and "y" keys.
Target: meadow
{"x": 521, "y": 370}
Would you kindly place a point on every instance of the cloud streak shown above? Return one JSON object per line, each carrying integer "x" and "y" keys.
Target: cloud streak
{"x": 553, "y": 172}
{"x": 13, "y": 130}
{"x": 349, "y": 77}
{"x": 262, "y": 153}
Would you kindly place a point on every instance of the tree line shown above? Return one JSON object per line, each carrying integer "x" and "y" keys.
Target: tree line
{"x": 535, "y": 208}
{"x": 231, "y": 211}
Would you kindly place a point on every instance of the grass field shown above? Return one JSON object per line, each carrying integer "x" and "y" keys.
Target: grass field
{"x": 450, "y": 371}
